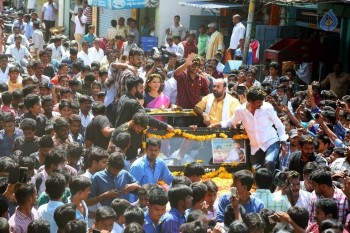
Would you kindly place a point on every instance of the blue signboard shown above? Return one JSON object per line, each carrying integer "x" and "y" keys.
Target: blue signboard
{"x": 123, "y": 4}
{"x": 329, "y": 21}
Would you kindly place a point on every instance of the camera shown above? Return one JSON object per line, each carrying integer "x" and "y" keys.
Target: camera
{"x": 280, "y": 178}
{"x": 160, "y": 54}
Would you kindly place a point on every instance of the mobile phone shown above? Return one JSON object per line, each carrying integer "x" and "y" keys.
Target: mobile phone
{"x": 234, "y": 191}
{"x": 23, "y": 177}
{"x": 317, "y": 115}
{"x": 273, "y": 219}
{"x": 13, "y": 175}
{"x": 240, "y": 90}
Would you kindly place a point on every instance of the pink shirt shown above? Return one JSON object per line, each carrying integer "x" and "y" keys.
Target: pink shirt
{"x": 19, "y": 222}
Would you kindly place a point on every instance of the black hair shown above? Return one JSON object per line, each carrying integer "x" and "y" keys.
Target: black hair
{"x": 331, "y": 223}
{"x": 255, "y": 93}
{"x": 74, "y": 150}
{"x": 134, "y": 228}
{"x": 306, "y": 139}
{"x": 328, "y": 206}
{"x": 195, "y": 227}
{"x": 46, "y": 98}
{"x": 153, "y": 142}
{"x": 238, "y": 227}
{"x": 211, "y": 186}
{"x": 39, "y": 226}
{"x": 95, "y": 64}
{"x": 263, "y": 178}
{"x": 119, "y": 206}
{"x": 196, "y": 215}
{"x": 63, "y": 214}
{"x": 96, "y": 83}
{"x": 141, "y": 118}
{"x": 274, "y": 65}
{"x": 104, "y": 213}
{"x": 229, "y": 215}
{"x": 199, "y": 191}
{"x": 8, "y": 117}
{"x": 65, "y": 172}
{"x": 4, "y": 225}
{"x": 17, "y": 94}
{"x": 299, "y": 215}
{"x": 74, "y": 118}
{"x": 6, "y": 98}
{"x": 90, "y": 77}
{"x": 28, "y": 124}
{"x": 321, "y": 176}
{"x": 309, "y": 168}
{"x": 24, "y": 192}
{"x": 74, "y": 105}
{"x": 28, "y": 89}
{"x": 98, "y": 108}
{"x": 324, "y": 138}
{"x": 113, "y": 23}
{"x": 96, "y": 154}
{"x": 134, "y": 214}
{"x": 264, "y": 214}
{"x": 116, "y": 160}
{"x": 133, "y": 82}
{"x": 63, "y": 103}
{"x": 60, "y": 123}
{"x": 56, "y": 156}
{"x": 3, "y": 87}
{"x": 30, "y": 100}
{"x": 194, "y": 169}
{"x": 4, "y": 204}
{"x": 102, "y": 71}
{"x": 181, "y": 180}
{"x": 136, "y": 52}
{"x": 25, "y": 161}
{"x": 245, "y": 177}
{"x": 121, "y": 140}
{"x": 254, "y": 221}
{"x": 157, "y": 196}
{"x": 76, "y": 226}
{"x": 79, "y": 183}
{"x": 55, "y": 185}
{"x": 178, "y": 193}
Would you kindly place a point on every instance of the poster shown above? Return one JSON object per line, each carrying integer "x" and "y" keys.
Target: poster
{"x": 228, "y": 151}
{"x": 123, "y": 4}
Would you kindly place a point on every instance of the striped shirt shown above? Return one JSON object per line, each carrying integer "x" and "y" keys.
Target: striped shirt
{"x": 339, "y": 197}
{"x": 88, "y": 13}
{"x": 19, "y": 222}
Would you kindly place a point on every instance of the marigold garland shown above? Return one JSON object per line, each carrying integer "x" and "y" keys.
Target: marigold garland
{"x": 240, "y": 136}
{"x": 187, "y": 135}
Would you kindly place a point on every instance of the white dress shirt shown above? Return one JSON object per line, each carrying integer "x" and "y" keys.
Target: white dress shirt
{"x": 238, "y": 33}
{"x": 170, "y": 89}
{"x": 44, "y": 79}
{"x": 85, "y": 57}
{"x": 4, "y": 76}
{"x": 95, "y": 55}
{"x": 78, "y": 28}
{"x": 259, "y": 126}
{"x": 11, "y": 40}
{"x": 56, "y": 52}
{"x": 18, "y": 54}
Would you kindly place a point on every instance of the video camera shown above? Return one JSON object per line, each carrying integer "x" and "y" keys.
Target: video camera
{"x": 160, "y": 54}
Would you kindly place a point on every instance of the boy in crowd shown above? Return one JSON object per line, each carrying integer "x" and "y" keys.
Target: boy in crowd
{"x": 29, "y": 142}
{"x": 55, "y": 186}
{"x": 74, "y": 129}
{"x": 104, "y": 220}
{"x": 80, "y": 190}
{"x": 25, "y": 213}
{"x": 194, "y": 171}
{"x": 119, "y": 206}
{"x": 61, "y": 127}
{"x": 157, "y": 201}
{"x": 74, "y": 156}
{"x": 45, "y": 146}
{"x": 8, "y": 134}
{"x": 134, "y": 214}
{"x": 63, "y": 214}
{"x": 112, "y": 182}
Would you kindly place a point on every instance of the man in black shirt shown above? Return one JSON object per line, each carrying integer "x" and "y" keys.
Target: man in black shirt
{"x": 306, "y": 154}
{"x": 32, "y": 103}
{"x": 134, "y": 127}
{"x": 128, "y": 105}
{"x": 99, "y": 130}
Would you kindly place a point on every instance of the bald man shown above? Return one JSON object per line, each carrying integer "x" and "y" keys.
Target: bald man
{"x": 216, "y": 106}
{"x": 238, "y": 32}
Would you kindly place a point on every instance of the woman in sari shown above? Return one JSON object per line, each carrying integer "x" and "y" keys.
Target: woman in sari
{"x": 153, "y": 97}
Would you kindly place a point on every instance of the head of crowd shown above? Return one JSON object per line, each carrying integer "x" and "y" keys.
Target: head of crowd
{"x": 74, "y": 157}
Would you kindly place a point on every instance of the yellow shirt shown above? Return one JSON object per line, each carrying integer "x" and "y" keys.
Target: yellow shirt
{"x": 121, "y": 30}
{"x": 14, "y": 86}
{"x": 215, "y": 114}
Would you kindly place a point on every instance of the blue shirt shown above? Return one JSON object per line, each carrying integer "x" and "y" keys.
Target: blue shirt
{"x": 143, "y": 172}
{"x": 46, "y": 212}
{"x": 172, "y": 221}
{"x": 149, "y": 226}
{"x": 89, "y": 38}
{"x": 102, "y": 182}
{"x": 253, "y": 205}
{"x": 29, "y": 30}
{"x": 6, "y": 143}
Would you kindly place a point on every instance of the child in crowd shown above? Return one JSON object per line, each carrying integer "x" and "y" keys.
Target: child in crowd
{"x": 119, "y": 206}
{"x": 14, "y": 83}
{"x": 80, "y": 189}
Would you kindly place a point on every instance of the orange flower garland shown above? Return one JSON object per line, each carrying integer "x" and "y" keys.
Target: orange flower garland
{"x": 187, "y": 135}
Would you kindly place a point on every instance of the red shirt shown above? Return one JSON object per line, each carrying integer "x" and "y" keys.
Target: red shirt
{"x": 190, "y": 91}
{"x": 189, "y": 48}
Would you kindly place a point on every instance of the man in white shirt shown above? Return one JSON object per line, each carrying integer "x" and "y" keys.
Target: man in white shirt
{"x": 18, "y": 51}
{"x": 57, "y": 49}
{"x": 84, "y": 54}
{"x": 38, "y": 76}
{"x": 4, "y": 68}
{"x": 170, "y": 46}
{"x": 38, "y": 38}
{"x": 112, "y": 31}
{"x": 95, "y": 52}
{"x": 17, "y": 31}
{"x": 177, "y": 28}
{"x": 259, "y": 119}
{"x": 238, "y": 33}
{"x": 49, "y": 11}
{"x": 80, "y": 21}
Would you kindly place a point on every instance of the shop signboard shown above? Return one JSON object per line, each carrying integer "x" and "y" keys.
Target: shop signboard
{"x": 123, "y": 4}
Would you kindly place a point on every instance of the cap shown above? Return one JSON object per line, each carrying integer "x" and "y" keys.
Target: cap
{"x": 293, "y": 133}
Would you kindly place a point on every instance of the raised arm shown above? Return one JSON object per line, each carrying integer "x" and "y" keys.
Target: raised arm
{"x": 183, "y": 67}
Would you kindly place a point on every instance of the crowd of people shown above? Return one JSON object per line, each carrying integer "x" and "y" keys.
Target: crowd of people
{"x": 73, "y": 119}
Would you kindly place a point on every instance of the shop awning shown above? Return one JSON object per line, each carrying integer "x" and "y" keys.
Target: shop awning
{"x": 123, "y": 4}
{"x": 212, "y": 4}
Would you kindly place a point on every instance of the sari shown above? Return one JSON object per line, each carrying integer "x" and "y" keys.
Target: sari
{"x": 162, "y": 101}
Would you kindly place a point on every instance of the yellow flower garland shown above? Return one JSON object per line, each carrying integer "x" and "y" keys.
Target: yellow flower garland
{"x": 187, "y": 135}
